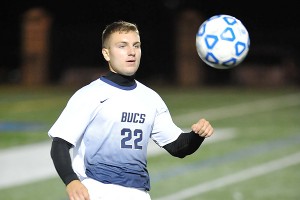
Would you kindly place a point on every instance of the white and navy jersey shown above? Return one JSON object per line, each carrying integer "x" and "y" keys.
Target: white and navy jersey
{"x": 110, "y": 126}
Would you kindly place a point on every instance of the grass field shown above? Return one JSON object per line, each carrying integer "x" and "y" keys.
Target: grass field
{"x": 259, "y": 161}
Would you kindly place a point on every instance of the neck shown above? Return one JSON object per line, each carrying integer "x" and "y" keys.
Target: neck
{"x": 119, "y": 79}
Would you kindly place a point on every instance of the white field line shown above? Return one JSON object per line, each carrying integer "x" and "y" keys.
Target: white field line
{"x": 242, "y": 109}
{"x": 239, "y": 176}
{"x": 24, "y": 164}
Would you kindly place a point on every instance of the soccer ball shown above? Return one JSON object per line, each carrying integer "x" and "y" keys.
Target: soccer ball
{"x": 222, "y": 42}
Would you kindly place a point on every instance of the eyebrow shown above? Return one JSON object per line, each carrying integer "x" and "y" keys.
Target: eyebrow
{"x": 123, "y": 42}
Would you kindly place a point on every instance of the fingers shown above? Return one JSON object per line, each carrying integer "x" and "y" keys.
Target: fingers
{"x": 79, "y": 196}
{"x": 203, "y": 128}
{"x": 77, "y": 191}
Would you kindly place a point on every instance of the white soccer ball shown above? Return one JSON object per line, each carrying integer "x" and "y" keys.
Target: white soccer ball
{"x": 222, "y": 42}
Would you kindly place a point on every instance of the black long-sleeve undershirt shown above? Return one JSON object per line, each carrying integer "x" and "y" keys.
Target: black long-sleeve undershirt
{"x": 60, "y": 154}
{"x": 186, "y": 144}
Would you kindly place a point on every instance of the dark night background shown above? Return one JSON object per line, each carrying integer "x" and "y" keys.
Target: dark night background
{"x": 77, "y": 26}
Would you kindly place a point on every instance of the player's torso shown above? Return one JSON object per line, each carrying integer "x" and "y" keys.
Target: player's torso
{"x": 120, "y": 131}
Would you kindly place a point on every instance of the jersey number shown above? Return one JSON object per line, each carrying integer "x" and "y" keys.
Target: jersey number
{"x": 131, "y": 139}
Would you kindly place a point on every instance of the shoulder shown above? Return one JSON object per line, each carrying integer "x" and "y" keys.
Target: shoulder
{"x": 88, "y": 93}
{"x": 152, "y": 98}
{"x": 92, "y": 88}
{"x": 146, "y": 88}
{"x": 148, "y": 91}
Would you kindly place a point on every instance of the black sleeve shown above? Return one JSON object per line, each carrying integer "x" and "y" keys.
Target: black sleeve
{"x": 186, "y": 144}
{"x": 60, "y": 154}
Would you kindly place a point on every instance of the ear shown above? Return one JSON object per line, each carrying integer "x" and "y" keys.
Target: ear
{"x": 105, "y": 54}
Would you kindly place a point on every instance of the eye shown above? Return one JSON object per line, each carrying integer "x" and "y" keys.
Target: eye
{"x": 121, "y": 45}
{"x": 137, "y": 46}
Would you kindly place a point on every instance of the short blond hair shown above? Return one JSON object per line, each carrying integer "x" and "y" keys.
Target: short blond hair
{"x": 119, "y": 26}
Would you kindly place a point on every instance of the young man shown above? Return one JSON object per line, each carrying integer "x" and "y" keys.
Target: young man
{"x": 109, "y": 122}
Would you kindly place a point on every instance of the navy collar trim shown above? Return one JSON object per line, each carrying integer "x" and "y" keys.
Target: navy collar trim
{"x": 118, "y": 86}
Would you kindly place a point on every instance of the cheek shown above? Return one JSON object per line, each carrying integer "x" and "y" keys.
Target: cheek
{"x": 118, "y": 54}
{"x": 138, "y": 53}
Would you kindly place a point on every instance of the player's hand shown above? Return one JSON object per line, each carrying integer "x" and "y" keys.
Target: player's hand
{"x": 77, "y": 191}
{"x": 203, "y": 128}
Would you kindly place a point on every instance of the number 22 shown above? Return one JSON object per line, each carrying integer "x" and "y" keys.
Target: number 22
{"x": 131, "y": 140}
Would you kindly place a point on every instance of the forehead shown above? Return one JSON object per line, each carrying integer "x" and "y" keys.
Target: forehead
{"x": 130, "y": 36}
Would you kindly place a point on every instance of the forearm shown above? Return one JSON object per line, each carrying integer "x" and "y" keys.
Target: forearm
{"x": 62, "y": 160}
{"x": 186, "y": 144}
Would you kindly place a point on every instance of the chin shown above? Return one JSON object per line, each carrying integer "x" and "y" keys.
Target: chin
{"x": 129, "y": 73}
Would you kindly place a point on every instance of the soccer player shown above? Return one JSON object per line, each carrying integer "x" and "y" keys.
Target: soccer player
{"x": 108, "y": 124}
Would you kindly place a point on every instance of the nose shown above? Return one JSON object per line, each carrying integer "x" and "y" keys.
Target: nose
{"x": 131, "y": 51}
